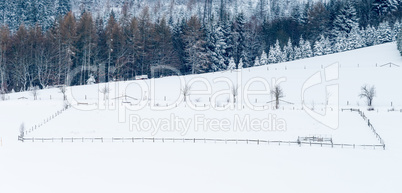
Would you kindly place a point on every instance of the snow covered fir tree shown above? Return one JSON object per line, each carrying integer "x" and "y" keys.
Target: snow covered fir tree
{"x": 42, "y": 41}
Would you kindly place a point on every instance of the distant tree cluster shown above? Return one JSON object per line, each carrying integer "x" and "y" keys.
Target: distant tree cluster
{"x": 44, "y": 43}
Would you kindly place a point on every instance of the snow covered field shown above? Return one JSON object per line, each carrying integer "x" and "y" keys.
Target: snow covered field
{"x": 198, "y": 167}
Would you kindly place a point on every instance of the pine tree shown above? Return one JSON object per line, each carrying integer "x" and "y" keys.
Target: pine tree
{"x": 327, "y": 47}
{"x": 340, "y": 43}
{"x": 232, "y": 64}
{"x": 306, "y": 50}
{"x": 345, "y": 20}
{"x": 257, "y": 61}
{"x": 370, "y": 36}
{"x": 219, "y": 55}
{"x": 264, "y": 58}
{"x": 288, "y": 51}
{"x": 238, "y": 35}
{"x": 384, "y": 32}
{"x": 272, "y": 55}
{"x": 396, "y": 29}
{"x": 196, "y": 54}
{"x": 298, "y": 53}
{"x": 241, "y": 65}
{"x": 384, "y": 7}
{"x": 399, "y": 41}
{"x": 319, "y": 46}
{"x": 354, "y": 39}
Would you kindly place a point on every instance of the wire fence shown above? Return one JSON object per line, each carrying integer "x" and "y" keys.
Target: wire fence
{"x": 198, "y": 140}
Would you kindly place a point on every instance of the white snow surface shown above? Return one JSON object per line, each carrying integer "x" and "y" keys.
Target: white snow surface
{"x": 209, "y": 167}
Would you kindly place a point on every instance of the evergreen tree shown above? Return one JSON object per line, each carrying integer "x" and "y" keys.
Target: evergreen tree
{"x": 370, "y": 36}
{"x": 238, "y": 35}
{"x": 395, "y": 30}
{"x": 327, "y": 47}
{"x": 306, "y": 50}
{"x": 319, "y": 46}
{"x": 354, "y": 39}
{"x": 257, "y": 61}
{"x": 298, "y": 53}
{"x": 264, "y": 58}
{"x": 340, "y": 43}
{"x": 195, "y": 44}
{"x": 272, "y": 55}
{"x": 288, "y": 51}
{"x": 241, "y": 65}
{"x": 232, "y": 64}
{"x": 384, "y": 7}
{"x": 384, "y": 32}
{"x": 62, "y": 7}
{"x": 345, "y": 20}
{"x": 219, "y": 55}
{"x": 399, "y": 41}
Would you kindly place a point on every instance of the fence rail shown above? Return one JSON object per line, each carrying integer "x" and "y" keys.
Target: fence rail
{"x": 361, "y": 113}
{"x": 197, "y": 140}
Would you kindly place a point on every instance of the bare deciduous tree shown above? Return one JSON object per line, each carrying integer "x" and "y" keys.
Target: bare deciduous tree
{"x": 63, "y": 90}
{"x": 35, "y": 92}
{"x": 278, "y": 94}
{"x": 368, "y": 92}
{"x": 105, "y": 91}
{"x": 186, "y": 91}
{"x": 235, "y": 92}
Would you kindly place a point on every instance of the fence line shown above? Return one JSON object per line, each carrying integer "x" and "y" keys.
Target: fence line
{"x": 46, "y": 120}
{"x": 197, "y": 140}
{"x": 361, "y": 113}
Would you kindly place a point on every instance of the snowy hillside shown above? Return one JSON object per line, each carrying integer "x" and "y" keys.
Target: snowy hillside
{"x": 187, "y": 166}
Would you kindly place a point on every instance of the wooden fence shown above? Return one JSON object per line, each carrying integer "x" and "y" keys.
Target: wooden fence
{"x": 361, "y": 113}
{"x": 46, "y": 120}
{"x": 197, "y": 140}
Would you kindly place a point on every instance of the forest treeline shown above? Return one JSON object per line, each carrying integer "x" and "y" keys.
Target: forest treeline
{"x": 122, "y": 45}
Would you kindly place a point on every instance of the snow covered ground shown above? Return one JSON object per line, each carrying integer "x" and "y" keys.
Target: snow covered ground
{"x": 199, "y": 167}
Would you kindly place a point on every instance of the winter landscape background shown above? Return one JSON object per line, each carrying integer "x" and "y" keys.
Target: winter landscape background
{"x": 200, "y": 96}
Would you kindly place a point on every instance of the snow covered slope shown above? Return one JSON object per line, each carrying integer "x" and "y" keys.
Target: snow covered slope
{"x": 209, "y": 167}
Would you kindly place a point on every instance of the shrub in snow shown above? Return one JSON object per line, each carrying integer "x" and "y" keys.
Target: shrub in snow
{"x": 22, "y": 131}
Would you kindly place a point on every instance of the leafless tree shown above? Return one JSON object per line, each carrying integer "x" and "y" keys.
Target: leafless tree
{"x": 35, "y": 92}
{"x": 368, "y": 92}
{"x": 186, "y": 91}
{"x": 63, "y": 90}
{"x": 235, "y": 92}
{"x": 277, "y": 92}
{"x": 105, "y": 91}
